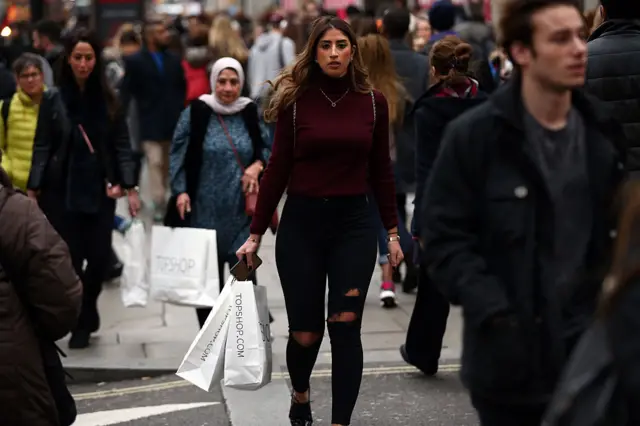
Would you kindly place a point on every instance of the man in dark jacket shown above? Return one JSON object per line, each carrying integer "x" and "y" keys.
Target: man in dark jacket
{"x": 520, "y": 216}
{"x": 155, "y": 79}
{"x": 613, "y": 72}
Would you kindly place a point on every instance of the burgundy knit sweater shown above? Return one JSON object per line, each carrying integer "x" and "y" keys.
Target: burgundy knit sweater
{"x": 337, "y": 151}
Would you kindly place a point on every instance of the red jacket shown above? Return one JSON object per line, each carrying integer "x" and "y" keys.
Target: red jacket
{"x": 197, "y": 81}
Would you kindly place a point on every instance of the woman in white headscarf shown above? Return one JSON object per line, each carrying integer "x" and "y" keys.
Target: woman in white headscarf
{"x": 217, "y": 155}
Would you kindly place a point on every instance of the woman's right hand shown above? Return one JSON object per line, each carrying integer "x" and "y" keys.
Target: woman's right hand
{"x": 248, "y": 249}
{"x": 184, "y": 204}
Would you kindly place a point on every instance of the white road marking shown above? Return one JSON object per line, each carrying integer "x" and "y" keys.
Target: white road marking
{"x": 112, "y": 417}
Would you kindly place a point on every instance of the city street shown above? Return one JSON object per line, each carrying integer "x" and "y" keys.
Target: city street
{"x": 390, "y": 396}
{"x": 148, "y": 344}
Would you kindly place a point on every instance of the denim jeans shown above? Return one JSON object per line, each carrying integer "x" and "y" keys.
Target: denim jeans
{"x": 119, "y": 222}
{"x": 403, "y": 233}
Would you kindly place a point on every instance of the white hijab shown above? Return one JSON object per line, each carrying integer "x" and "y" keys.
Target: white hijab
{"x": 211, "y": 100}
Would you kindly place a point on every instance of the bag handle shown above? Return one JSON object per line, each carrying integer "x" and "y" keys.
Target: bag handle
{"x": 233, "y": 147}
{"x": 86, "y": 139}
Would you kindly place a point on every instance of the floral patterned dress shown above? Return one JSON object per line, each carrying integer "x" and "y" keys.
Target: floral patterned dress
{"x": 219, "y": 202}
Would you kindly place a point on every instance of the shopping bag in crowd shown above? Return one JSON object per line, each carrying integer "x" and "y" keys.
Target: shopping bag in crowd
{"x": 203, "y": 365}
{"x": 134, "y": 284}
{"x": 184, "y": 266}
{"x": 248, "y": 358}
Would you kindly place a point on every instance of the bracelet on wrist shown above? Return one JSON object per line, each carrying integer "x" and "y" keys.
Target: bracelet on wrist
{"x": 133, "y": 189}
{"x": 392, "y": 238}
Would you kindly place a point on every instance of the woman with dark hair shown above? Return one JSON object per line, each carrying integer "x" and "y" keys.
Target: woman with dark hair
{"x": 453, "y": 92}
{"x": 331, "y": 145}
{"x": 81, "y": 164}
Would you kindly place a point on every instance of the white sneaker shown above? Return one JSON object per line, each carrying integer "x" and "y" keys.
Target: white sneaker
{"x": 388, "y": 295}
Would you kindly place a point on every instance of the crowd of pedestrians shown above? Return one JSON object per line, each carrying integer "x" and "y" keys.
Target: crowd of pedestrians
{"x": 517, "y": 150}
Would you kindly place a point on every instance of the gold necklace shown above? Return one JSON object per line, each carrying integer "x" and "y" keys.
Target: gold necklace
{"x": 334, "y": 103}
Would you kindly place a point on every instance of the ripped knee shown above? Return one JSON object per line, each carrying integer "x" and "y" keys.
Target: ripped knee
{"x": 351, "y": 301}
{"x": 306, "y": 338}
{"x": 343, "y": 317}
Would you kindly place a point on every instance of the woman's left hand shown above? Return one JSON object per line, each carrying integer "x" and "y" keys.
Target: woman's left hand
{"x": 134, "y": 202}
{"x": 395, "y": 253}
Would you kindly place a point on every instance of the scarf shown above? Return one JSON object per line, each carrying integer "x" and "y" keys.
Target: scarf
{"x": 213, "y": 102}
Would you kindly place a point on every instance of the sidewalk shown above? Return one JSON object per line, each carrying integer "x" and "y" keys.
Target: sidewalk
{"x": 138, "y": 342}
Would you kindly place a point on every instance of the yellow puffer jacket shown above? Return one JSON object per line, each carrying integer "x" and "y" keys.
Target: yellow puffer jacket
{"x": 17, "y": 147}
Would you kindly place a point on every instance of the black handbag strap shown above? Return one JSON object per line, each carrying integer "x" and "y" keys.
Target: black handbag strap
{"x": 199, "y": 121}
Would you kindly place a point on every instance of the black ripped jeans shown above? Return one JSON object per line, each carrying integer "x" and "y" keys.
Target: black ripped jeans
{"x": 322, "y": 238}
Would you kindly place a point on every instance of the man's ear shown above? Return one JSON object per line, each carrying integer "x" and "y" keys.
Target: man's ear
{"x": 603, "y": 13}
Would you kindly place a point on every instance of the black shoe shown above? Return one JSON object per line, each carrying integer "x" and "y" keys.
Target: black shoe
{"x": 300, "y": 413}
{"x": 430, "y": 372}
{"x": 94, "y": 323}
{"x": 397, "y": 276}
{"x": 79, "y": 339}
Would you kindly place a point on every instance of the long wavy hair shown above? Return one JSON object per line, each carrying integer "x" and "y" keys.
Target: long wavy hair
{"x": 376, "y": 56}
{"x": 225, "y": 41}
{"x": 296, "y": 78}
{"x": 625, "y": 265}
{"x": 97, "y": 82}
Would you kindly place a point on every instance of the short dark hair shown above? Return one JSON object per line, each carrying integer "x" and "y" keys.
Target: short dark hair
{"x": 516, "y": 23}
{"x": 621, "y": 9}
{"x": 25, "y": 61}
{"x": 396, "y": 22}
{"x": 49, "y": 29}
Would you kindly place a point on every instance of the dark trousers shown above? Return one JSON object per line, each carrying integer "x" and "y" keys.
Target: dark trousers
{"x": 401, "y": 201}
{"x": 320, "y": 239}
{"x": 203, "y": 313}
{"x": 428, "y": 325}
{"x": 492, "y": 413}
{"x": 88, "y": 237}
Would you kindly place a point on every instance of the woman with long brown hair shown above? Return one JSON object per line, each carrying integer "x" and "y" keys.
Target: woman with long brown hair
{"x": 81, "y": 165}
{"x": 376, "y": 56}
{"x": 620, "y": 301}
{"x": 331, "y": 143}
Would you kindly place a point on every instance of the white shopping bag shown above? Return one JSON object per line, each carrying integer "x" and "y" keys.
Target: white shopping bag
{"x": 134, "y": 285}
{"x": 248, "y": 358}
{"x": 184, "y": 266}
{"x": 203, "y": 365}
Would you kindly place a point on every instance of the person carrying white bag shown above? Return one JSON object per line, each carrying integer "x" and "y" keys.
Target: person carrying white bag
{"x": 218, "y": 153}
{"x": 248, "y": 356}
{"x": 134, "y": 285}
